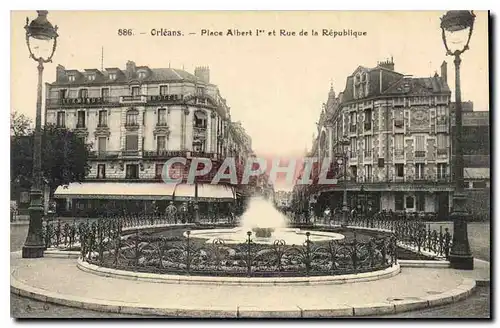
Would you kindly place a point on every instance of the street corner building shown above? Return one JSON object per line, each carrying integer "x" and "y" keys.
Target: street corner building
{"x": 393, "y": 131}
{"x": 136, "y": 119}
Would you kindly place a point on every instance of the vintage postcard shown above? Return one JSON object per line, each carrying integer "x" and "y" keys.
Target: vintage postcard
{"x": 250, "y": 164}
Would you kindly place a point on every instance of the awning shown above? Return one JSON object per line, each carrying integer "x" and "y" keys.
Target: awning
{"x": 215, "y": 192}
{"x": 476, "y": 173}
{"x": 201, "y": 115}
{"x": 116, "y": 190}
{"x": 184, "y": 192}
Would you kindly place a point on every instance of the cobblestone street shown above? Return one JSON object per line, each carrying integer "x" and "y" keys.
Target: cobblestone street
{"x": 476, "y": 306}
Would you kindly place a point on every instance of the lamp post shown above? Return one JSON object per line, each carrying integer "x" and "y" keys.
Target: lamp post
{"x": 343, "y": 161}
{"x": 453, "y": 23}
{"x": 39, "y": 29}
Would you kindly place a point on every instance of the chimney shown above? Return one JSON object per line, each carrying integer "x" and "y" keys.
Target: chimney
{"x": 202, "y": 73}
{"x": 60, "y": 73}
{"x": 130, "y": 69}
{"x": 444, "y": 71}
{"x": 388, "y": 64}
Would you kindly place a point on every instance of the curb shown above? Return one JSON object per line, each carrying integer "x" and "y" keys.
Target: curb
{"x": 338, "y": 310}
{"x": 424, "y": 264}
{"x": 240, "y": 281}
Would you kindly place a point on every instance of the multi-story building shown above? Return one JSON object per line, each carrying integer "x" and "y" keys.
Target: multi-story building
{"x": 283, "y": 198}
{"x": 393, "y": 132}
{"x": 136, "y": 119}
{"x": 476, "y": 150}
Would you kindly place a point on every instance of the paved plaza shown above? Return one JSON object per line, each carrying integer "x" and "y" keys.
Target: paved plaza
{"x": 63, "y": 277}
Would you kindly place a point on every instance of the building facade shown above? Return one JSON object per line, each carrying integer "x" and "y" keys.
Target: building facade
{"x": 136, "y": 119}
{"x": 393, "y": 133}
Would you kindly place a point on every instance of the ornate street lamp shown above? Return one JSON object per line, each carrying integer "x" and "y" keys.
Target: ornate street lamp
{"x": 343, "y": 161}
{"x": 39, "y": 29}
{"x": 456, "y": 29}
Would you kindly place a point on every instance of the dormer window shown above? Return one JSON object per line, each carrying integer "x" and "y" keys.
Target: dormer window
{"x": 135, "y": 91}
{"x": 112, "y": 76}
{"x": 71, "y": 78}
{"x": 142, "y": 75}
{"x": 200, "y": 90}
{"x": 91, "y": 77}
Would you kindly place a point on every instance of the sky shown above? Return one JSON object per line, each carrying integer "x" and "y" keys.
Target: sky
{"x": 275, "y": 85}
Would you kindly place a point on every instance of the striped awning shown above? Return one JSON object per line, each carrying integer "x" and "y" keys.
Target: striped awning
{"x": 184, "y": 192}
{"x": 478, "y": 173}
{"x": 215, "y": 192}
{"x": 116, "y": 190}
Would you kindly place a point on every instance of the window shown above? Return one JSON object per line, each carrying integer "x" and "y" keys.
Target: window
{"x": 101, "y": 171}
{"x": 132, "y": 117}
{"x": 368, "y": 172}
{"x": 353, "y": 147}
{"x": 479, "y": 184}
{"x": 71, "y": 78}
{"x": 132, "y": 171}
{"x": 132, "y": 142}
{"x": 200, "y": 119}
{"x": 112, "y": 76}
{"x": 91, "y": 77}
{"x": 200, "y": 90}
{"x": 441, "y": 111}
{"x": 419, "y": 171}
{"x": 399, "y": 141}
{"x": 441, "y": 170}
{"x": 160, "y": 143}
{"x": 62, "y": 94}
{"x": 398, "y": 119}
{"x": 399, "y": 202}
{"x": 105, "y": 93}
{"x": 135, "y": 91}
{"x": 142, "y": 75}
{"x": 159, "y": 170}
{"x": 102, "y": 145}
{"x": 400, "y": 170}
{"x": 419, "y": 146}
{"x": 410, "y": 202}
{"x": 368, "y": 145}
{"x": 420, "y": 202}
{"x": 353, "y": 118}
{"x": 163, "y": 90}
{"x": 442, "y": 141}
{"x": 83, "y": 93}
{"x": 61, "y": 119}
{"x": 420, "y": 143}
{"x": 354, "y": 171}
{"x": 103, "y": 118}
{"x": 81, "y": 119}
{"x": 199, "y": 145}
{"x": 162, "y": 116}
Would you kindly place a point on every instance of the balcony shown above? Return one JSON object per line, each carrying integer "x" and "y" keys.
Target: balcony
{"x": 132, "y": 126}
{"x": 102, "y": 154}
{"x": 399, "y": 152}
{"x": 161, "y": 129}
{"x": 137, "y": 99}
{"x": 102, "y": 130}
{"x": 81, "y": 102}
{"x": 368, "y": 126}
{"x": 442, "y": 152}
{"x": 130, "y": 153}
{"x": 399, "y": 124}
{"x": 441, "y": 128}
{"x": 199, "y": 131}
{"x": 419, "y": 153}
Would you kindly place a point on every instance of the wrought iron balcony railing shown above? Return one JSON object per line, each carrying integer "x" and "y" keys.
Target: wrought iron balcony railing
{"x": 165, "y": 98}
{"x": 420, "y": 153}
{"x": 443, "y": 151}
{"x": 399, "y": 123}
{"x": 103, "y": 154}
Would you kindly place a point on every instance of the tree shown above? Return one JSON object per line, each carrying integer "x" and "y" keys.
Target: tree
{"x": 20, "y": 124}
{"x": 64, "y": 158}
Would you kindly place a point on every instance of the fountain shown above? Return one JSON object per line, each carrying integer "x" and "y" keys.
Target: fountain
{"x": 267, "y": 224}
